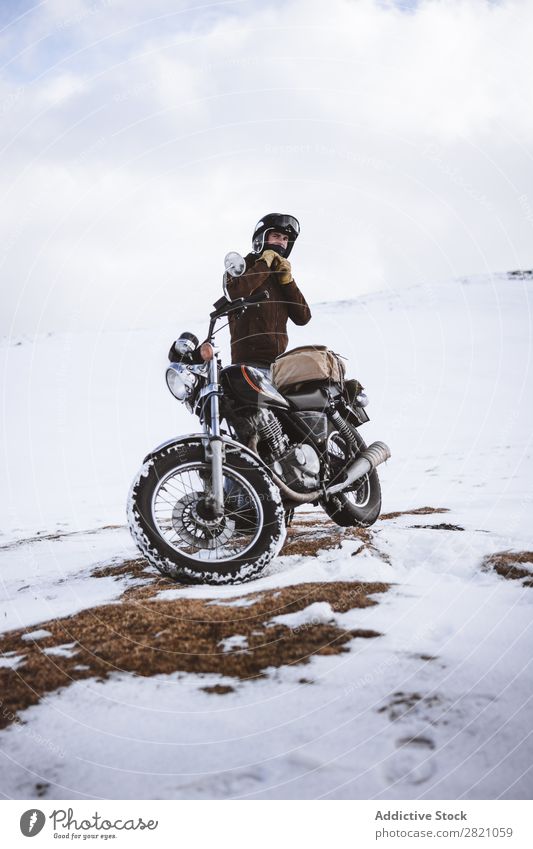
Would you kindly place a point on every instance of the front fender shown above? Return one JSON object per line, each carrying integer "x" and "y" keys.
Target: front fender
{"x": 228, "y": 443}
{"x": 189, "y": 437}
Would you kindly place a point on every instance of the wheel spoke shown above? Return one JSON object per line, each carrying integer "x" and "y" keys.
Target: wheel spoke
{"x": 338, "y": 457}
{"x": 179, "y": 514}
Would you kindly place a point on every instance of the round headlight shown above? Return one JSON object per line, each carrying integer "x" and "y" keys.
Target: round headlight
{"x": 186, "y": 344}
{"x": 180, "y": 381}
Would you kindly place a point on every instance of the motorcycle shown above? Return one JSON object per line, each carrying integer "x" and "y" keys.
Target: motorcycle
{"x": 213, "y": 507}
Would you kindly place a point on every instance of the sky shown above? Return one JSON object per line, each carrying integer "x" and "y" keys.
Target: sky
{"x": 139, "y": 142}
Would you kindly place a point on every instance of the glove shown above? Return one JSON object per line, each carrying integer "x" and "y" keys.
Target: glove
{"x": 283, "y": 271}
{"x": 279, "y": 265}
{"x": 269, "y": 257}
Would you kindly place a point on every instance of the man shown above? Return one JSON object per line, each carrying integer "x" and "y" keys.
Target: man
{"x": 259, "y": 334}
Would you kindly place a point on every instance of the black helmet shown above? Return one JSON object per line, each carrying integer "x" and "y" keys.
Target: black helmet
{"x": 287, "y": 224}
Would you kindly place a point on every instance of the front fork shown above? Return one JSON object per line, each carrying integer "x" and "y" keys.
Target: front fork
{"x": 214, "y": 445}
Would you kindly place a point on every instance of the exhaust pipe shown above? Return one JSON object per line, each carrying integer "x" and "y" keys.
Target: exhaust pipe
{"x": 298, "y": 497}
{"x": 371, "y": 457}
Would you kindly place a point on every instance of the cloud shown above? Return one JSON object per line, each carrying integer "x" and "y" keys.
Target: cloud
{"x": 139, "y": 144}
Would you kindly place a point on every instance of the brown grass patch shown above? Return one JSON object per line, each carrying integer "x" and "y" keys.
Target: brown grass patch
{"x": 443, "y": 526}
{"x": 163, "y": 636}
{"x": 505, "y": 563}
{"x": 138, "y": 568}
{"x": 418, "y": 511}
{"x": 40, "y": 536}
{"x": 220, "y": 689}
{"x": 308, "y": 538}
{"x": 148, "y": 581}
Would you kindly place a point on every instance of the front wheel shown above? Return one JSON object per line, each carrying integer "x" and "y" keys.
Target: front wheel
{"x": 170, "y": 519}
{"x": 359, "y": 506}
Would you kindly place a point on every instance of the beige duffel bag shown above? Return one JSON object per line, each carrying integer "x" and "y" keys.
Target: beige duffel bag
{"x": 305, "y": 364}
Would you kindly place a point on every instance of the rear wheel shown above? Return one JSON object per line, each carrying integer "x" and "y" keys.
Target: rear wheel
{"x": 170, "y": 519}
{"x": 361, "y": 504}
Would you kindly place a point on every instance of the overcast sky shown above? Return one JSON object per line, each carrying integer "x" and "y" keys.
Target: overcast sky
{"x": 140, "y": 141}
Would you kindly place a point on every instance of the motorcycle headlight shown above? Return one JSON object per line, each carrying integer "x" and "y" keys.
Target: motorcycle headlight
{"x": 185, "y": 345}
{"x": 180, "y": 381}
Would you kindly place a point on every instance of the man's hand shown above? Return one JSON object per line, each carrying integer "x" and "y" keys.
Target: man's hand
{"x": 283, "y": 271}
{"x": 281, "y": 266}
{"x": 270, "y": 257}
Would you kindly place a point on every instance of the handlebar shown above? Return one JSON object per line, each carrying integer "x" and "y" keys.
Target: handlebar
{"x": 256, "y": 299}
{"x": 223, "y": 306}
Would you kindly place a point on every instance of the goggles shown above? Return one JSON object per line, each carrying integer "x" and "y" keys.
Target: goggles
{"x": 280, "y": 222}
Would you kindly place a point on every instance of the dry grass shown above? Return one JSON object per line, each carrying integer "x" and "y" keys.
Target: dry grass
{"x": 418, "y": 511}
{"x": 308, "y": 538}
{"x": 219, "y": 689}
{"x": 146, "y": 581}
{"x": 506, "y": 564}
{"x": 151, "y": 637}
{"x": 42, "y": 537}
{"x": 145, "y": 634}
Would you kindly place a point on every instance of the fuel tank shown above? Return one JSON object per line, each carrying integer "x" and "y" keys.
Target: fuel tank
{"x": 251, "y": 387}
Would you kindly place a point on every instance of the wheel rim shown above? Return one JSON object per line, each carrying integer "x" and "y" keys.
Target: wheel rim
{"x": 359, "y": 495}
{"x": 181, "y": 522}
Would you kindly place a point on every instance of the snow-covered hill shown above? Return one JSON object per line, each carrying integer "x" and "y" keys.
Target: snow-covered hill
{"x": 391, "y": 664}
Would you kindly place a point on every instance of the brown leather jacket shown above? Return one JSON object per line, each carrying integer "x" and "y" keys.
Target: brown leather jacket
{"x": 260, "y": 334}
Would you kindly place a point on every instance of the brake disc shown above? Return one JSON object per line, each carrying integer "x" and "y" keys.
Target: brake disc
{"x": 198, "y": 530}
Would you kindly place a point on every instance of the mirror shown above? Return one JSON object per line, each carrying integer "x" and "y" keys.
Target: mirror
{"x": 234, "y": 264}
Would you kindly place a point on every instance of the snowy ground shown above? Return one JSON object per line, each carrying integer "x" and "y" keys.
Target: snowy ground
{"x": 435, "y": 707}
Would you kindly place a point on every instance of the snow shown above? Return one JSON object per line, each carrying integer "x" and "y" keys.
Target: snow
{"x": 64, "y": 650}
{"x": 313, "y": 614}
{"x": 52, "y": 578}
{"x": 39, "y": 634}
{"x": 236, "y": 602}
{"x": 10, "y": 660}
{"x": 237, "y": 641}
{"x": 436, "y": 707}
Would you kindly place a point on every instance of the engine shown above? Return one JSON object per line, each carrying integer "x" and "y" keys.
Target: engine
{"x": 297, "y": 465}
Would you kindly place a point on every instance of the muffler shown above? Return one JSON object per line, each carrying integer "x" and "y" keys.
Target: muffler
{"x": 368, "y": 459}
